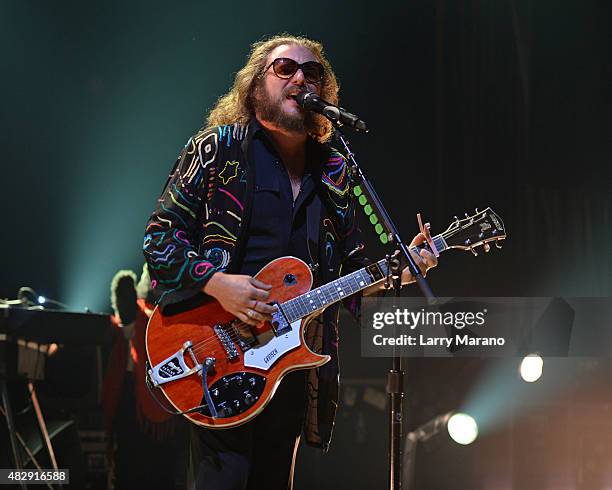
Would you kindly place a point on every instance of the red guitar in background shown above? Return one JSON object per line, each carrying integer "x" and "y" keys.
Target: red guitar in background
{"x": 219, "y": 372}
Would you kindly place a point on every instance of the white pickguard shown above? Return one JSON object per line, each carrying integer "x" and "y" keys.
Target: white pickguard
{"x": 265, "y": 355}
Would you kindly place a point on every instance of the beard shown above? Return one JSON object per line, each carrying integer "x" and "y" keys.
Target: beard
{"x": 271, "y": 110}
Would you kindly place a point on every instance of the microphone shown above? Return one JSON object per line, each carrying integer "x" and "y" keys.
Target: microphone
{"x": 314, "y": 103}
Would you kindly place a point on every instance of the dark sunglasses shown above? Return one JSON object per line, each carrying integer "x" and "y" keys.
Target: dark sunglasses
{"x": 286, "y": 68}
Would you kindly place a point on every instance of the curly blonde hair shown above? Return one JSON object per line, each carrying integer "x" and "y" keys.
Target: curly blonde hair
{"x": 237, "y": 106}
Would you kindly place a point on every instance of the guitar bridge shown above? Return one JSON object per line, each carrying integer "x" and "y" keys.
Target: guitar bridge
{"x": 174, "y": 367}
{"x": 226, "y": 341}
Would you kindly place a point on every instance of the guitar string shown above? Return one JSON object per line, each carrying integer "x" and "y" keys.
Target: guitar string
{"x": 200, "y": 347}
{"x": 235, "y": 336}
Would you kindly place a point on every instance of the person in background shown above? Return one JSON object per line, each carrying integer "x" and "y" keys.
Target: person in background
{"x": 144, "y": 443}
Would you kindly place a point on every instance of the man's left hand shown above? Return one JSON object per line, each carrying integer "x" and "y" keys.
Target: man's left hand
{"x": 424, "y": 259}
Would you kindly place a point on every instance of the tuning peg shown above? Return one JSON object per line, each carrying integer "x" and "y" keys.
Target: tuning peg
{"x": 476, "y": 210}
{"x": 497, "y": 244}
{"x": 474, "y": 252}
{"x": 486, "y": 247}
{"x": 467, "y": 215}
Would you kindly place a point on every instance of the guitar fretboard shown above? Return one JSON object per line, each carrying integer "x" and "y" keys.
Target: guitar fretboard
{"x": 343, "y": 287}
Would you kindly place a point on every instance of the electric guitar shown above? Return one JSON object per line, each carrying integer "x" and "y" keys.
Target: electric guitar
{"x": 220, "y": 373}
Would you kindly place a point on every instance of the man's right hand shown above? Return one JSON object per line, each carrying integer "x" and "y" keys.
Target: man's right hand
{"x": 242, "y": 296}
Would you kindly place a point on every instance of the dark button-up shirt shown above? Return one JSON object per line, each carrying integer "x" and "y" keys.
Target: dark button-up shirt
{"x": 278, "y": 224}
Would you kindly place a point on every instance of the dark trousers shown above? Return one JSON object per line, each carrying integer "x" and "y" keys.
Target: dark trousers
{"x": 140, "y": 461}
{"x": 259, "y": 454}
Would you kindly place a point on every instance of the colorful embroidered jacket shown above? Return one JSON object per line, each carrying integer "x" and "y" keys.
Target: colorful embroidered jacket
{"x": 199, "y": 228}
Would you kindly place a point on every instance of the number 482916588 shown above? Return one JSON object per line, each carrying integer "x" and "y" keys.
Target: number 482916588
{"x": 51, "y": 476}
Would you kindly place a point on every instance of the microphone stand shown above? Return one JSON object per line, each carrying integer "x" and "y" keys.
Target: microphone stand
{"x": 395, "y": 376}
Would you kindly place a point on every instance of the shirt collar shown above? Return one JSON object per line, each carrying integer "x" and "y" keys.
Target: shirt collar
{"x": 316, "y": 153}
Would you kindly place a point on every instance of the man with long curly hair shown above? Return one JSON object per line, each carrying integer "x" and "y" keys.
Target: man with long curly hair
{"x": 258, "y": 183}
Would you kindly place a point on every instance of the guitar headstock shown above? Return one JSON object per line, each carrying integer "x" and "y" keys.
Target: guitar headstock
{"x": 476, "y": 230}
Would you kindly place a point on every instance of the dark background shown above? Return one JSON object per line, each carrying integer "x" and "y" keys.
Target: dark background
{"x": 470, "y": 103}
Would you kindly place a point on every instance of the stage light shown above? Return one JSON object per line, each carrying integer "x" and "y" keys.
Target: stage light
{"x": 457, "y": 427}
{"x": 531, "y": 368}
{"x": 462, "y": 428}
{"x": 41, "y": 300}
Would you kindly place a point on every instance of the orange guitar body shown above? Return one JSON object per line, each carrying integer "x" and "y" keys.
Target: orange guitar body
{"x": 241, "y": 381}
{"x": 242, "y": 366}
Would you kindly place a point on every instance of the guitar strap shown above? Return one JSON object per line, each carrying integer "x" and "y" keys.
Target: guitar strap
{"x": 313, "y": 224}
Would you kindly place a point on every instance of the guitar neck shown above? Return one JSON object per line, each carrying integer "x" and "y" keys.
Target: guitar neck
{"x": 343, "y": 287}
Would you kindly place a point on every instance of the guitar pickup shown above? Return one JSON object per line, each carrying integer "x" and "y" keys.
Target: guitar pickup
{"x": 279, "y": 322}
{"x": 174, "y": 367}
{"x": 245, "y": 338}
